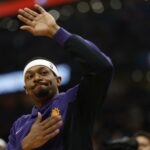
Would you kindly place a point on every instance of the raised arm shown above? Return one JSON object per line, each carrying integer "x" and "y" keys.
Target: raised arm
{"x": 41, "y": 23}
{"x": 96, "y": 64}
{"x": 98, "y": 70}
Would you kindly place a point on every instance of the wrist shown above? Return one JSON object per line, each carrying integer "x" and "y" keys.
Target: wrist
{"x": 25, "y": 144}
{"x": 53, "y": 30}
{"x": 61, "y": 36}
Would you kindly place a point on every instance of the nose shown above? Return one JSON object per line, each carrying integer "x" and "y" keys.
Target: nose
{"x": 37, "y": 77}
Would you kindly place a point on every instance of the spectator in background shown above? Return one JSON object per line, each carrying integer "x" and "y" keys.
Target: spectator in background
{"x": 2, "y": 144}
{"x": 143, "y": 139}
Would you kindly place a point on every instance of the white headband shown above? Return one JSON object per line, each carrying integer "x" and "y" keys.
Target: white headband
{"x": 42, "y": 62}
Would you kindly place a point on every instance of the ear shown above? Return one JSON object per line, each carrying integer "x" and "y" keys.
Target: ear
{"x": 26, "y": 91}
{"x": 58, "y": 79}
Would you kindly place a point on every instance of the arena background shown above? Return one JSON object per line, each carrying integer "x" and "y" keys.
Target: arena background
{"x": 121, "y": 28}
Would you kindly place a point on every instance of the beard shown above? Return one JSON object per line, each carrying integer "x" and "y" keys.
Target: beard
{"x": 42, "y": 92}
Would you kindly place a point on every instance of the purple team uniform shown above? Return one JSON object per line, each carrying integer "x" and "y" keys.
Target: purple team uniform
{"x": 78, "y": 106}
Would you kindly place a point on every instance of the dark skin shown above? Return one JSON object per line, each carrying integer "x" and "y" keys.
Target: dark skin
{"x": 41, "y": 132}
{"x": 41, "y": 84}
{"x": 40, "y": 79}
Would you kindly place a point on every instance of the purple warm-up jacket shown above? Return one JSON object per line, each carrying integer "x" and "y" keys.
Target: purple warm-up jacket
{"x": 79, "y": 105}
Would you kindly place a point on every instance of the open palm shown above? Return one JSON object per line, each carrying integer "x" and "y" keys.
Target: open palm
{"x": 39, "y": 24}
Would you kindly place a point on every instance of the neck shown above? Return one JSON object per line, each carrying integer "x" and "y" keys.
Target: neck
{"x": 40, "y": 102}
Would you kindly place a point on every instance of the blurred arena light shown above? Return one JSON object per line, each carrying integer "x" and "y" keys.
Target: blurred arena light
{"x": 12, "y": 25}
{"x": 116, "y": 4}
{"x": 66, "y": 11}
{"x": 97, "y": 6}
{"x": 13, "y": 82}
{"x": 9, "y": 24}
{"x": 137, "y": 75}
{"x": 83, "y": 7}
{"x": 41, "y": 2}
{"x": 55, "y": 14}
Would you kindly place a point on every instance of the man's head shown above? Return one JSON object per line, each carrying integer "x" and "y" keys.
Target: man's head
{"x": 2, "y": 144}
{"x": 143, "y": 139}
{"x": 42, "y": 80}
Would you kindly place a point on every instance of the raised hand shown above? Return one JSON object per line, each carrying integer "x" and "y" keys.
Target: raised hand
{"x": 41, "y": 132}
{"x": 39, "y": 22}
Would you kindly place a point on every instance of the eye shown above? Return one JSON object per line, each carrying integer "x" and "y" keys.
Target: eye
{"x": 29, "y": 76}
{"x": 44, "y": 72}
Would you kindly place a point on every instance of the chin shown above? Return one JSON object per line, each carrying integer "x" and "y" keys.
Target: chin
{"x": 42, "y": 92}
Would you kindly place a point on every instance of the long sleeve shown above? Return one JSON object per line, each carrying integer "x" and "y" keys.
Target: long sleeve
{"x": 94, "y": 84}
{"x": 83, "y": 49}
{"x": 97, "y": 66}
{"x": 91, "y": 92}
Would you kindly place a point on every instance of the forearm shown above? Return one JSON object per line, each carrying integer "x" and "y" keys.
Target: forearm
{"x": 90, "y": 55}
{"x": 83, "y": 49}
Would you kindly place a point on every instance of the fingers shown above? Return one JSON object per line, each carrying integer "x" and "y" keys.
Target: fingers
{"x": 25, "y": 20}
{"x": 52, "y": 128}
{"x": 31, "y": 12}
{"x": 52, "y": 135}
{"x": 56, "y": 118}
{"x": 50, "y": 121}
{"x": 39, "y": 118}
{"x": 39, "y": 8}
{"x": 26, "y": 14}
{"x": 27, "y": 28}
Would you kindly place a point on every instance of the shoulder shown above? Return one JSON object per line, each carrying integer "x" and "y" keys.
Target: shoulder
{"x": 71, "y": 93}
{"x": 68, "y": 96}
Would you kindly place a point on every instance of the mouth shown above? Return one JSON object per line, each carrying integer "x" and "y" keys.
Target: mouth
{"x": 37, "y": 85}
{"x": 41, "y": 90}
